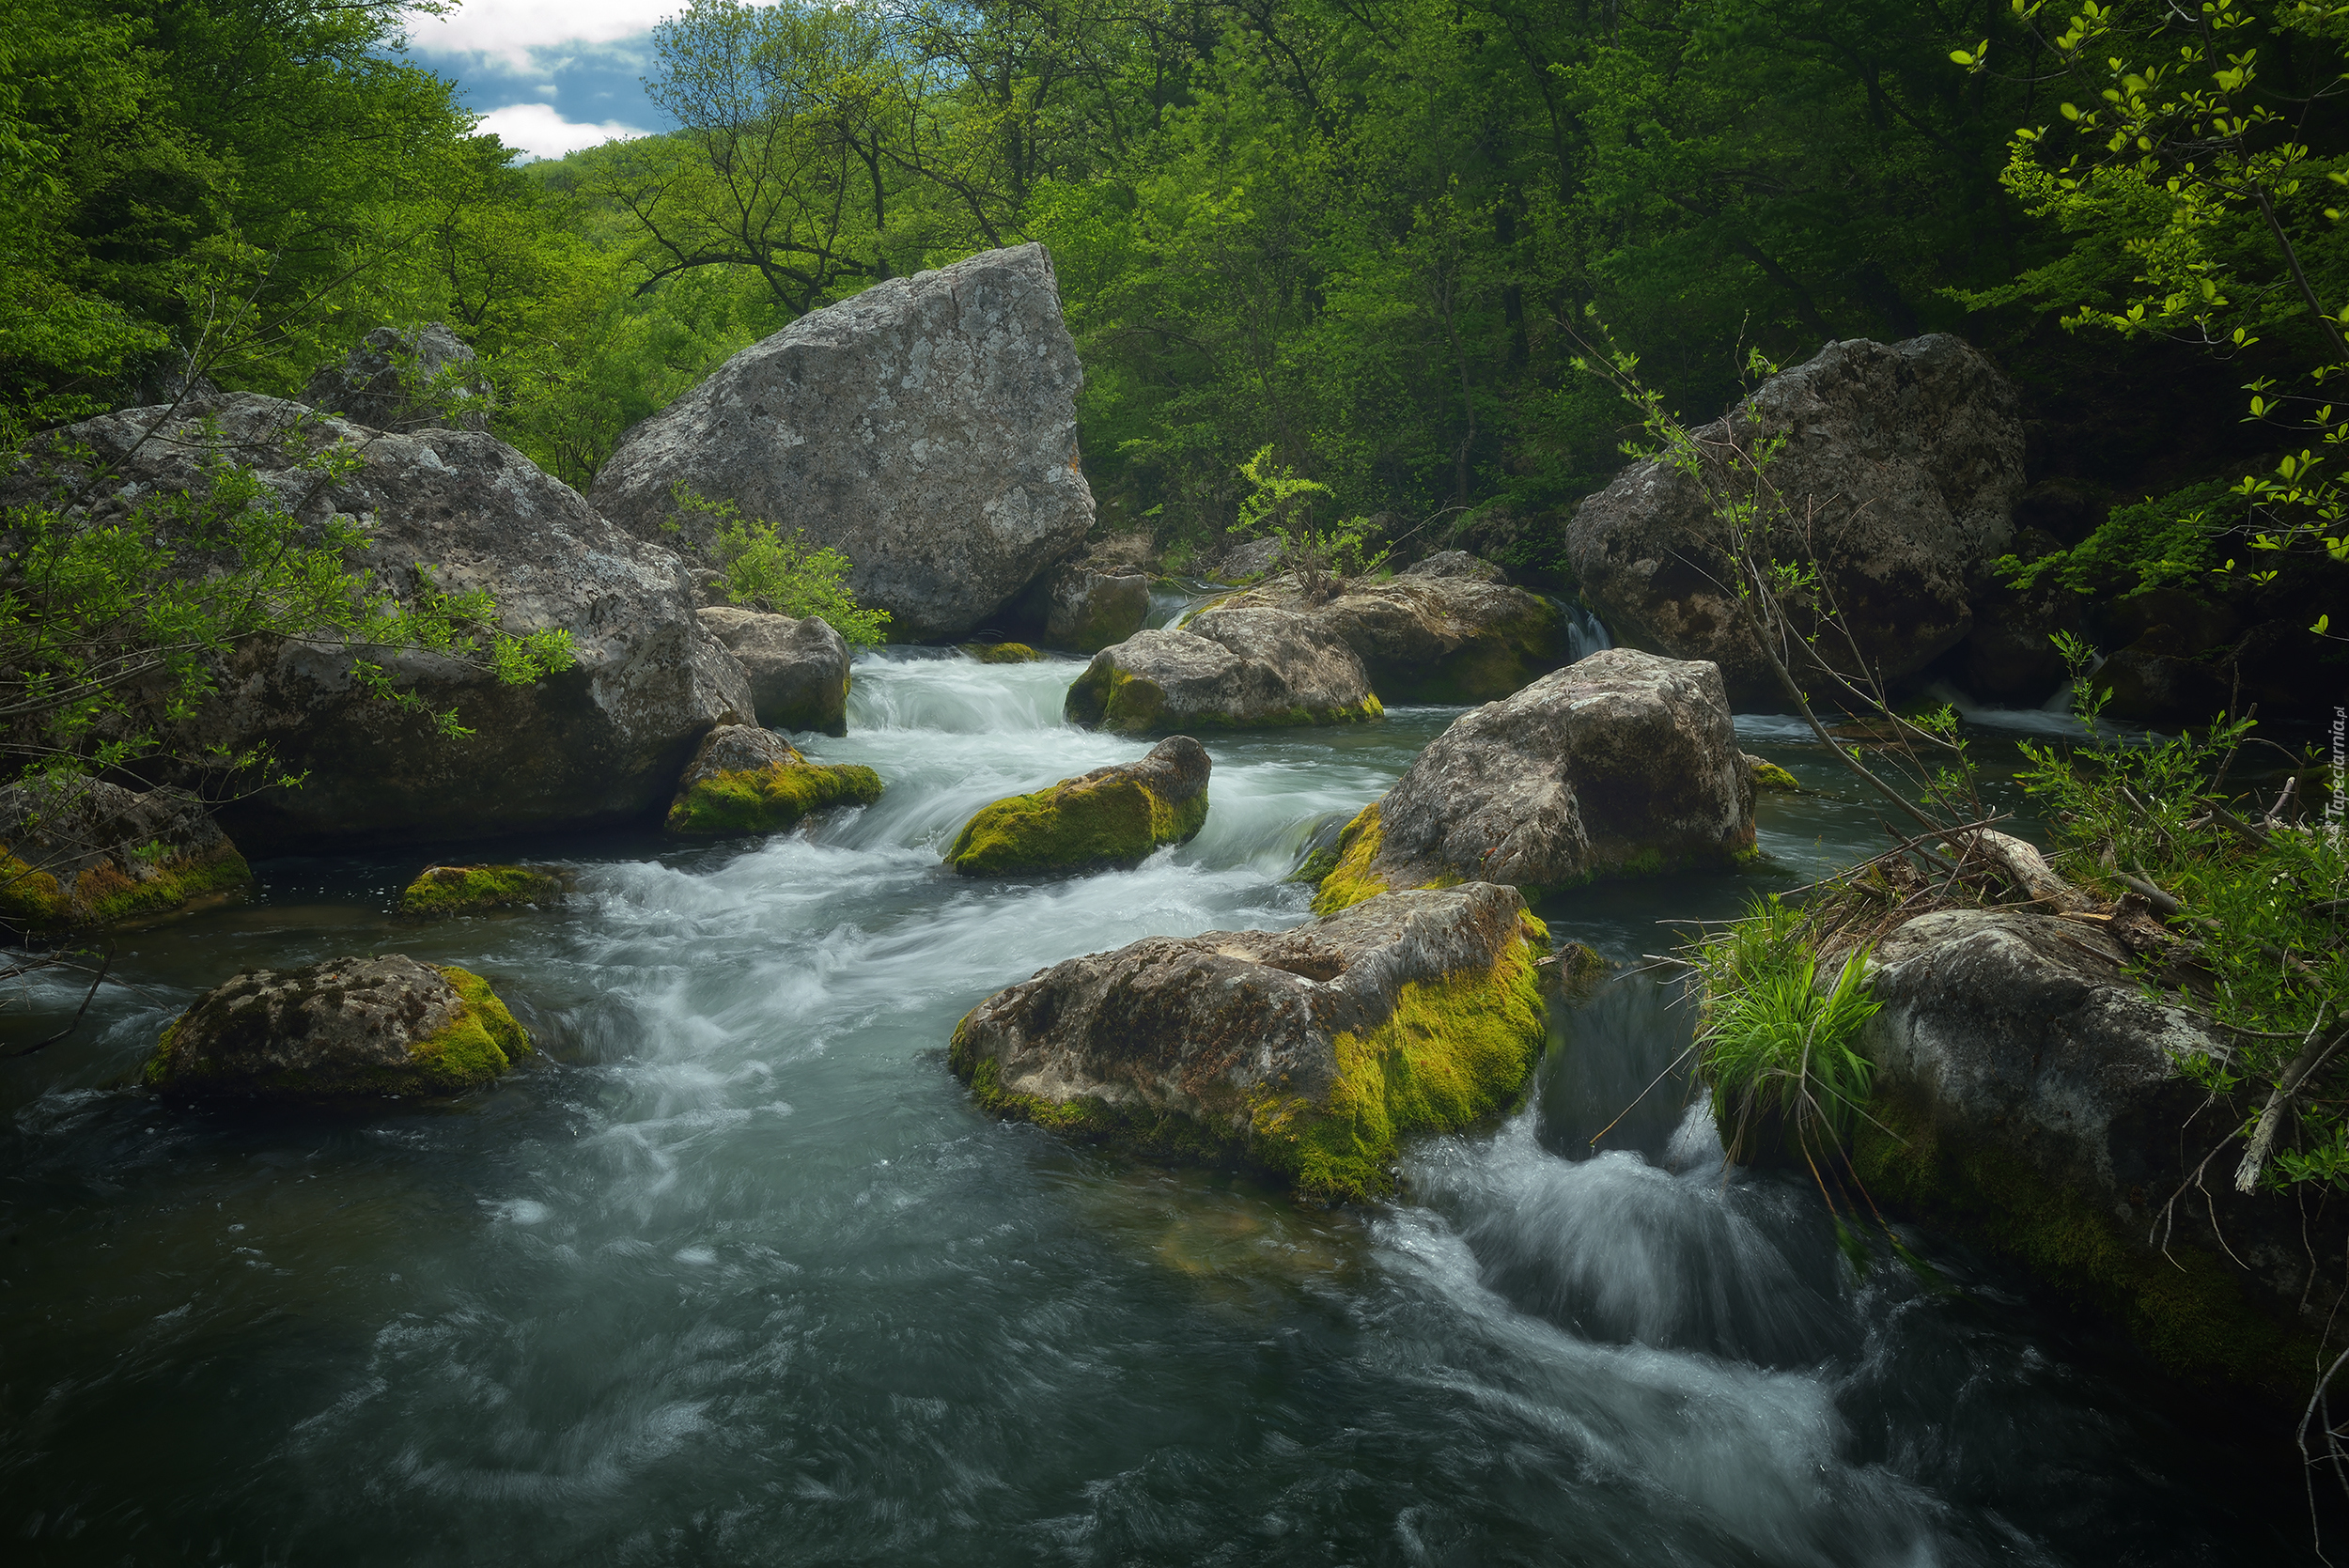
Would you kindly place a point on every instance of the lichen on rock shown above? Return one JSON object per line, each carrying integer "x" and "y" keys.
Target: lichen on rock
{"x": 351, "y": 1027}
{"x": 1441, "y": 632}
{"x": 79, "y": 852}
{"x": 1312, "y": 1053}
{"x": 1253, "y": 668}
{"x": 463, "y": 889}
{"x": 746, "y": 780}
{"x": 1111, "y": 816}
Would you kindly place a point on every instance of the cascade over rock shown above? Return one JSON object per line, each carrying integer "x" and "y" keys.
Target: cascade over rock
{"x": 599, "y": 743}
{"x": 345, "y": 1028}
{"x": 1906, "y": 458}
{"x": 1312, "y": 1052}
{"x": 926, "y": 428}
{"x": 1250, "y": 668}
{"x": 1620, "y": 763}
{"x": 1114, "y": 816}
{"x": 798, "y": 668}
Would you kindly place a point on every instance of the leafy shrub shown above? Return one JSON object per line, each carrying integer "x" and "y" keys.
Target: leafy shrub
{"x": 767, "y": 567}
{"x": 2156, "y": 542}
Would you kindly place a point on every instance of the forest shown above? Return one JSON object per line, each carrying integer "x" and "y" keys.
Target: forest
{"x": 1376, "y": 235}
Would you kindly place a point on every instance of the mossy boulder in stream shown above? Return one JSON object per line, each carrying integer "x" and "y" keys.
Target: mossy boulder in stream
{"x": 1622, "y": 764}
{"x": 1111, "y": 816}
{"x": 1312, "y": 1052}
{"x": 79, "y": 852}
{"x": 1004, "y": 653}
{"x": 465, "y": 890}
{"x": 348, "y": 1028}
{"x": 1254, "y": 668}
{"x": 746, "y": 780}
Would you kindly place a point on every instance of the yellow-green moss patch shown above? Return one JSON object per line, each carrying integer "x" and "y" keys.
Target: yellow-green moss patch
{"x": 1004, "y": 653}
{"x": 454, "y": 889}
{"x": 769, "y": 799}
{"x": 477, "y": 1045}
{"x": 1114, "y": 821}
{"x": 1769, "y": 775}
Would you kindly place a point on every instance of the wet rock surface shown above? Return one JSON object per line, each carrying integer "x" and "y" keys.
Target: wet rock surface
{"x": 798, "y": 667}
{"x": 1252, "y": 668}
{"x": 1111, "y": 816}
{"x": 78, "y": 851}
{"x": 351, "y": 1027}
{"x": 466, "y": 890}
{"x": 747, "y": 780}
{"x": 926, "y": 428}
{"x": 1311, "y": 1052}
{"x": 1442, "y": 631}
{"x": 1903, "y": 460}
{"x": 1620, "y": 763}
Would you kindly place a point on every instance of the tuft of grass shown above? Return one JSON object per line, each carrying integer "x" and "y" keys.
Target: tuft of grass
{"x": 1782, "y": 1057}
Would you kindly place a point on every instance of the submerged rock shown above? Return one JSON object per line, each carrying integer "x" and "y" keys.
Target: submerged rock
{"x": 1113, "y": 817}
{"x": 465, "y": 890}
{"x": 598, "y": 744}
{"x": 1312, "y": 1052}
{"x": 77, "y": 852}
{"x": 1441, "y": 632}
{"x": 1906, "y": 459}
{"x": 1253, "y": 668}
{"x": 746, "y": 780}
{"x": 2028, "y": 1092}
{"x": 1623, "y": 763}
{"x": 345, "y": 1028}
{"x": 798, "y": 668}
{"x": 926, "y": 428}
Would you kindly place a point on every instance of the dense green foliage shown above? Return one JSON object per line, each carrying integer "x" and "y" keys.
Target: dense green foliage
{"x": 783, "y": 575}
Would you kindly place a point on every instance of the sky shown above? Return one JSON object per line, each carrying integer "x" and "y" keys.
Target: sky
{"x": 548, "y": 76}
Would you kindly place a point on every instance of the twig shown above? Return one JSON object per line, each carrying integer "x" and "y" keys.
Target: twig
{"x": 76, "y": 1022}
{"x": 2247, "y": 1174}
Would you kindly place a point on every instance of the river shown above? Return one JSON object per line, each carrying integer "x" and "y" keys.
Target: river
{"x": 734, "y": 1273}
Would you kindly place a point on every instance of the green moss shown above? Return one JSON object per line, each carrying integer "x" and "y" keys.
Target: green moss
{"x": 1164, "y": 1133}
{"x": 1452, "y": 1052}
{"x": 477, "y": 1045}
{"x": 1351, "y": 880}
{"x": 31, "y": 897}
{"x": 454, "y": 889}
{"x": 1004, "y": 653}
{"x": 158, "y": 1070}
{"x": 769, "y": 799}
{"x": 2187, "y": 1309}
{"x": 105, "y": 892}
{"x": 1114, "y": 822}
{"x": 1769, "y": 775}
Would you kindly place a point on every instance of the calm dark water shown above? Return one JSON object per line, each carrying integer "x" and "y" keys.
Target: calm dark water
{"x": 734, "y": 1274}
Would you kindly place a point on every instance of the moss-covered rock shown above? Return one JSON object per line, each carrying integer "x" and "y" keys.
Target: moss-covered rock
{"x": 1620, "y": 765}
{"x": 1313, "y": 1053}
{"x": 78, "y": 852}
{"x": 465, "y": 890}
{"x": 1004, "y": 653}
{"x": 1111, "y": 816}
{"x": 348, "y": 1028}
{"x": 746, "y": 780}
{"x": 1243, "y": 669}
{"x": 1769, "y": 775}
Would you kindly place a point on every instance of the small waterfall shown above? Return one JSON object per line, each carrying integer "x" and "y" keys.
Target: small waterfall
{"x": 1585, "y": 636}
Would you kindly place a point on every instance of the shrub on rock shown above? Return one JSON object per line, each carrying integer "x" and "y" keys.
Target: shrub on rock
{"x": 464, "y": 890}
{"x": 1111, "y": 816}
{"x": 77, "y": 852}
{"x": 746, "y": 780}
{"x": 1620, "y": 764}
{"x": 351, "y": 1027}
{"x": 1312, "y": 1052}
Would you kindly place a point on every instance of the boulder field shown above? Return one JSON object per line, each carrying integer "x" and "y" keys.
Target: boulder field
{"x": 1311, "y": 1053}
{"x": 1111, "y": 816}
{"x": 1620, "y": 764}
{"x": 926, "y": 428}
{"x": 1900, "y": 471}
{"x": 348, "y": 1028}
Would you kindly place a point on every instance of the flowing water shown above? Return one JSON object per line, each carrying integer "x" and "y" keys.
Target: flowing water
{"x": 734, "y": 1273}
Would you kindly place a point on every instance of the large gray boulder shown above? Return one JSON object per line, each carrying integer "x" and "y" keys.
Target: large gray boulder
{"x": 600, "y": 743}
{"x": 1311, "y": 1052}
{"x": 77, "y": 852}
{"x": 798, "y": 668}
{"x": 1623, "y": 763}
{"x": 926, "y": 428}
{"x": 404, "y": 379}
{"x": 1905, "y": 461}
{"x": 1250, "y": 668}
{"x": 2030, "y": 1092}
{"x": 1443, "y": 632}
{"x": 351, "y": 1027}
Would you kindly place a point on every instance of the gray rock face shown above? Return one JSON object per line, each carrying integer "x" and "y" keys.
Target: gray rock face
{"x": 1088, "y": 611}
{"x": 1621, "y": 762}
{"x": 372, "y": 387}
{"x": 798, "y": 669}
{"x": 926, "y": 428}
{"x": 76, "y": 851}
{"x": 348, "y": 1028}
{"x": 1228, "y": 669}
{"x": 600, "y": 743}
{"x": 1244, "y": 563}
{"x": 1229, "y": 1041}
{"x": 1449, "y": 635}
{"x": 1911, "y": 455}
{"x": 1454, "y": 563}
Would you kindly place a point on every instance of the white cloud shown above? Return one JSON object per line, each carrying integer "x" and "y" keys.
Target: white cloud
{"x": 516, "y": 32}
{"x": 539, "y": 131}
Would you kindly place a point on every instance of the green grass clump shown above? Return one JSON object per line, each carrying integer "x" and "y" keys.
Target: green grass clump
{"x": 454, "y": 889}
{"x": 1783, "y": 1059}
{"x": 769, "y": 799}
{"x": 1115, "y": 821}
